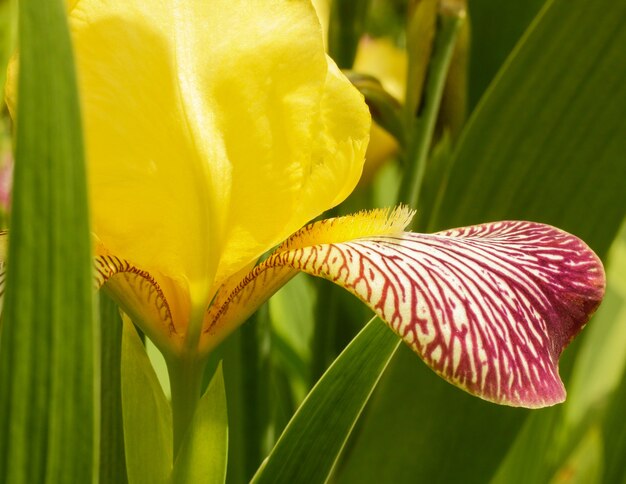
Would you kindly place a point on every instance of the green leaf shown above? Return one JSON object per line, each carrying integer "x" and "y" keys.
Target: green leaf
{"x": 204, "y": 452}
{"x": 147, "y": 415}
{"x": 533, "y": 444}
{"x": 112, "y": 458}
{"x": 346, "y": 25}
{"x": 314, "y": 438}
{"x": 545, "y": 144}
{"x": 496, "y": 28}
{"x": 48, "y": 416}
{"x": 614, "y": 436}
{"x": 584, "y": 466}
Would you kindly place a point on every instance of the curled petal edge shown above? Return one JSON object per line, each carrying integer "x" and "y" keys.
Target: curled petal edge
{"x": 141, "y": 297}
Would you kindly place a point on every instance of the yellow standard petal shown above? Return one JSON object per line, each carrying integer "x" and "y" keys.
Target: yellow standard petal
{"x": 214, "y": 129}
{"x": 298, "y": 161}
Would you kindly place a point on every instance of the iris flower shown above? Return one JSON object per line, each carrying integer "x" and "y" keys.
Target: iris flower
{"x": 216, "y": 129}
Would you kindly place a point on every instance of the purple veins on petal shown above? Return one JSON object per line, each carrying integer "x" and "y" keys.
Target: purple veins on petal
{"x": 513, "y": 295}
{"x": 489, "y": 307}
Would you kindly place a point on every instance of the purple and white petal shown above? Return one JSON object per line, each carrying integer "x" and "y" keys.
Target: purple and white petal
{"x": 490, "y": 307}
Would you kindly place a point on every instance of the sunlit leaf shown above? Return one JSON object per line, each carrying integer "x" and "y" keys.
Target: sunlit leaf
{"x": 48, "y": 411}
{"x": 203, "y": 454}
{"x": 147, "y": 415}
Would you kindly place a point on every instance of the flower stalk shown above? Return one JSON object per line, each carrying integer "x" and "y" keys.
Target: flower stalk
{"x": 185, "y": 374}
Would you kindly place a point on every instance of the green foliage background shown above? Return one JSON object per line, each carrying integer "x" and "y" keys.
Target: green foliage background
{"x": 545, "y": 140}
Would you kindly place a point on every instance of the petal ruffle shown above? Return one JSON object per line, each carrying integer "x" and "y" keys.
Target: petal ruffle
{"x": 296, "y": 163}
{"x": 489, "y": 307}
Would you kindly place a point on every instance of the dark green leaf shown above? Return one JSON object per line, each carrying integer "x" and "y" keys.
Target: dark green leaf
{"x": 310, "y": 445}
{"x": 496, "y": 28}
{"x": 47, "y": 357}
{"x": 546, "y": 143}
{"x": 246, "y": 371}
{"x": 112, "y": 459}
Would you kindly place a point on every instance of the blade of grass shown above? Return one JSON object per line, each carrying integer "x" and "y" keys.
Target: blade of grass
{"x": 310, "y": 445}
{"x": 112, "y": 458}
{"x": 48, "y": 412}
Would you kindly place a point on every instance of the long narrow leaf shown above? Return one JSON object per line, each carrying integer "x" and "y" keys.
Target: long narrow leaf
{"x": 311, "y": 443}
{"x": 48, "y": 421}
{"x": 112, "y": 459}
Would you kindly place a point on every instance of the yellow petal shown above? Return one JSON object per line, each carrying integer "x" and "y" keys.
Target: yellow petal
{"x": 382, "y": 59}
{"x": 149, "y": 176}
{"x": 294, "y": 164}
{"x": 214, "y": 129}
{"x": 322, "y": 8}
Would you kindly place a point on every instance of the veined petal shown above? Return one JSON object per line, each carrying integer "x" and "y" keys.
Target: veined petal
{"x": 243, "y": 292}
{"x": 159, "y": 305}
{"x": 490, "y": 307}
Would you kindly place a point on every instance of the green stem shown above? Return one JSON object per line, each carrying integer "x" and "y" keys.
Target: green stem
{"x": 422, "y": 128}
{"x": 346, "y": 25}
{"x": 324, "y": 331}
{"x": 186, "y": 384}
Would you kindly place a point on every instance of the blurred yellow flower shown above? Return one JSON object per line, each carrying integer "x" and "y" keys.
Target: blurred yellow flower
{"x": 384, "y": 60}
